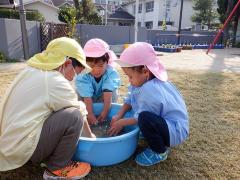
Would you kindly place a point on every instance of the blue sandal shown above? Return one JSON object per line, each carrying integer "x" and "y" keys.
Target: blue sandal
{"x": 148, "y": 157}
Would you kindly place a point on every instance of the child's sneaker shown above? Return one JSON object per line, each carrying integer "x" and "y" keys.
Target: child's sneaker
{"x": 148, "y": 157}
{"x": 75, "y": 170}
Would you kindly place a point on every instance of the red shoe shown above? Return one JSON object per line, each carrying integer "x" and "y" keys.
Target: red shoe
{"x": 75, "y": 170}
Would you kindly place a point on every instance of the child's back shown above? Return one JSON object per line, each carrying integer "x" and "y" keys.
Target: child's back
{"x": 163, "y": 99}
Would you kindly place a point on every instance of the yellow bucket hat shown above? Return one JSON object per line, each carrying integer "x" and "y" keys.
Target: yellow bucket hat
{"x": 55, "y": 54}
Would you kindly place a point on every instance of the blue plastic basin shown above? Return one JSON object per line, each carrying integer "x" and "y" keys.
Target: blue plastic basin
{"x": 111, "y": 150}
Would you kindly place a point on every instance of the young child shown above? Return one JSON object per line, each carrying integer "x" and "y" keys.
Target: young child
{"x": 159, "y": 108}
{"x": 101, "y": 84}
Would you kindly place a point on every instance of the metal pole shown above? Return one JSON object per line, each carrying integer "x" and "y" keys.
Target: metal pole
{"x": 106, "y": 9}
{"x": 22, "y": 14}
{"x": 224, "y": 25}
{"x": 136, "y": 21}
{"x": 180, "y": 23}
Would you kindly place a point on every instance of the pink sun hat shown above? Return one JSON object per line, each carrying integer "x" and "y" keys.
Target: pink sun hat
{"x": 141, "y": 53}
{"x": 97, "y": 48}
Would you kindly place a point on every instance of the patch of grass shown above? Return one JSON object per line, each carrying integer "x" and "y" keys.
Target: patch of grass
{"x": 4, "y": 59}
{"x": 212, "y": 150}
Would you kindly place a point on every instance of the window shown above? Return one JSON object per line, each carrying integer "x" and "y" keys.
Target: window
{"x": 170, "y": 23}
{"x": 149, "y": 6}
{"x": 134, "y": 9}
{"x": 140, "y": 8}
{"x": 124, "y": 24}
{"x": 149, "y": 25}
{"x": 139, "y": 24}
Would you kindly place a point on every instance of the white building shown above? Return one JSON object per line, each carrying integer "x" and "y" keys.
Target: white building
{"x": 45, "y": 7}
{"x": 152, "y": 13}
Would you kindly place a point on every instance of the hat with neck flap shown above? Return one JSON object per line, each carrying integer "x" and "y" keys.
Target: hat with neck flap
{"x": 56, "y": 54}
{"x": 141, "y": 53}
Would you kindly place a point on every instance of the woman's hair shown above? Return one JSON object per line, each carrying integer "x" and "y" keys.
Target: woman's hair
{"x": 75, "y": 62}
{"x": 95, "y": 60}
{"x": 140, "y": 70}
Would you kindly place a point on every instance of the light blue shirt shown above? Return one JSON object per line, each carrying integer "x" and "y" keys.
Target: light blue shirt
{"x": 88, "y": 87}
{"x": 164, "y": 100}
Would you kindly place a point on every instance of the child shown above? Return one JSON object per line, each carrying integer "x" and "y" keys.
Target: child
{"x": 101, "y": 84}
{"x": 159, "y": 108}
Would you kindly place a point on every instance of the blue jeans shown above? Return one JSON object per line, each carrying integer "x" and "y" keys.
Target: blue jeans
{"x": 155, "y": 130}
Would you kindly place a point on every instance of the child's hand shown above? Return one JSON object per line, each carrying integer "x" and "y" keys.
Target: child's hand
{"x": 102, "y": 117}
{"x": 114, "y": 119}
{"x": 116, "y": 127}
{"x": 91, "y": 119}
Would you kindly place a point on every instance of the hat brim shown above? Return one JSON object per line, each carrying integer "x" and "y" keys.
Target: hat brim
{"x": 94, "y": 54}
{"x": 88, "y": 69}
{"x": 158, "y": 70}
{"x": 124, "y": 64}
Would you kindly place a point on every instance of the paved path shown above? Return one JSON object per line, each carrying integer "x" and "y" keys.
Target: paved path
{"x": 12, "y": 66}
{"x": 224, "y": 60}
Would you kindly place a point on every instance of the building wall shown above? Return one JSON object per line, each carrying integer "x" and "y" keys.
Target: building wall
{"x": 50, "y": 14}
{"x": 238, "y": 32}
{"x": 159, "y": 13}
{"x": 113, "y": 35}
{"x": 11, "y": 38}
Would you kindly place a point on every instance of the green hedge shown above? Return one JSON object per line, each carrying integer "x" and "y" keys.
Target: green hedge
{"x": 14, "y": 14}
{"x": 2, "y": 58}
{"x": 238, "y": 44}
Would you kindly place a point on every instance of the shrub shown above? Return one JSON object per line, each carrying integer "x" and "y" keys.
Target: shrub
{"x": 14, "y": 14}
{"x": 237, "y": 45}
{"x": 2, "y": 57}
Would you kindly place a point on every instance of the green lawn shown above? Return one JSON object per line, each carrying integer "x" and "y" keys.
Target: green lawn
{"x": 212, "y": 150}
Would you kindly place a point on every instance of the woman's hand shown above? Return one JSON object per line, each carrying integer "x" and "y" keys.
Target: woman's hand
{"x": 116, "y": 127}
{"x": 91, "y": 119}
{"x": 93, "y": 135}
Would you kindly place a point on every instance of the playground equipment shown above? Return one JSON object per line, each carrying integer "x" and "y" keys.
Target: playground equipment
{"x": 224, "y": 25}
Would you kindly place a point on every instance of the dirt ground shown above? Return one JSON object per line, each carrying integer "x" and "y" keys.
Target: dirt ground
{"x": 213, "y": 102}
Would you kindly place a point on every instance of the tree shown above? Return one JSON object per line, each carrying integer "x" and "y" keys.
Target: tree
{"x": 222, "y": 9}
{"x": 205, "y": 14}
{"x": 67, "y": 14}
{"x": 78, "y": 9}
{"x": 89, "y": 13}
{"x": 83, "y": 12}
{"x": 225, "y": 7}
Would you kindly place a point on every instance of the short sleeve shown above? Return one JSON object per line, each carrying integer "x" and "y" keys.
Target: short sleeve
{"x": 84, "y": 85}
{"x": 147, "y": 100}
{"x": 127, "y": 99}
{"x": 111, "y": 80}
